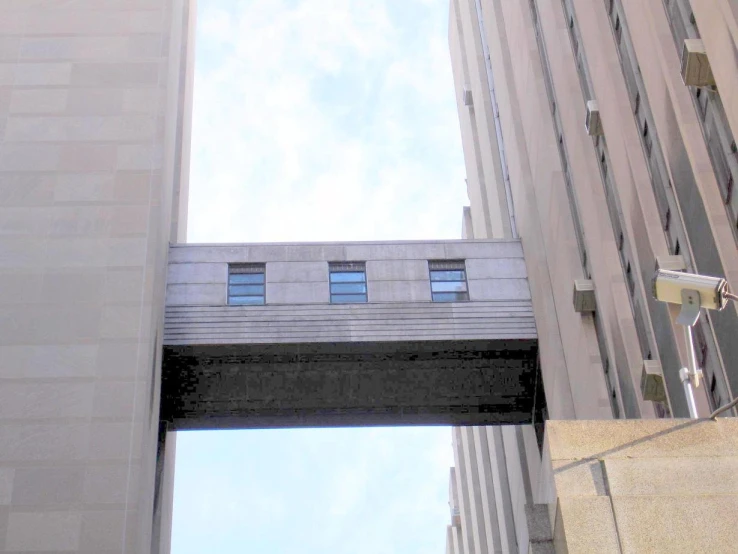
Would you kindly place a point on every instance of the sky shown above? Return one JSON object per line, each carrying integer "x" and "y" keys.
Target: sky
{"x": 320, "y": 120}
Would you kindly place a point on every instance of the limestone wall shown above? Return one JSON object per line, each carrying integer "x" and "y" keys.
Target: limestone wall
{"x": 92, "y": 121}
{"x": 627, "y": 487}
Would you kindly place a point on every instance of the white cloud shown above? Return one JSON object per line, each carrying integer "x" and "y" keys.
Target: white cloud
{"x": 324, "y": 120}
{"x": 321, "y": 120}
{"x": 365, "y": 491}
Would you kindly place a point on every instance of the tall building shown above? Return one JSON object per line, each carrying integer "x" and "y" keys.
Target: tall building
{"x": 602, "y": 134}
{"x": 94, "y": 123}
{"x": 112, "y": 335}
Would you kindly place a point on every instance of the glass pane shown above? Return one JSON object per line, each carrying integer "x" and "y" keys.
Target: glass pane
{"x": 246, "y": 278}
{"x": 450, "y": 297}
{"x": 450, "y": 275}
{"x": 246, "y": 300}
{"x": 448, "y": 286}
{"x": 348, "y": 277}
{"x": 246, "y": 289}
{"x": 343, "y": 288}
{"x": 347, "y": 298}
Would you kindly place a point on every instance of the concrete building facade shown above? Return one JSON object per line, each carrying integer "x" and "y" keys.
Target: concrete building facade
{"x": 302, "y": 355}
{"x": 94, "y": 125}
{"x": 94, "y": 139}
{"x": 633, "y": 486}
{"x": 581, "y": 137}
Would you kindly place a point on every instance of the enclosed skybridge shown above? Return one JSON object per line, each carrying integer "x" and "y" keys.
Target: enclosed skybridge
{"x": 349, "y": 334}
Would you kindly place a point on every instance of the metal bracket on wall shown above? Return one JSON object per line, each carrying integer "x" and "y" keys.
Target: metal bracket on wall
{"x": 690, "y": 311}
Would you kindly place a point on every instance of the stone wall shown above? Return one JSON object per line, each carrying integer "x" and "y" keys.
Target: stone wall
{"x": 627, "y": 487}
{"x": 92, "y": 121}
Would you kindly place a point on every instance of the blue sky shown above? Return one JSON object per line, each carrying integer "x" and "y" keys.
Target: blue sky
{"x": 320, "y": 120}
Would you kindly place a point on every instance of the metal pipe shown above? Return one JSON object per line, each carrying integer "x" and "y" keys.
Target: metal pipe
{"x": 689, "y": 373}
{"x": 689, "y": 393}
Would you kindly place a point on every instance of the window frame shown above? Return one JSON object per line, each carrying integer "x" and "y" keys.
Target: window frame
{"x": 339, "y": 294}
{"x": 257, "y": 269}
{"x": 437, "y": 268}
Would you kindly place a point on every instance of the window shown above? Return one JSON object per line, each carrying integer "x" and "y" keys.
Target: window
{"x": 729, "y": 189}
{"x": 717, "y": 401}
{"x": 661, "y": 410}
{"x": 615, "y": 407}
{"x": 618, "y": 29}
{"x": 629, "y": 279}
{"x": 246, "y": 284}
{"x": 637, "y": 103}
{"x": 701, "y": 346}
{"x": 702, "y": 100}
{"x": 348, "y": 282}
{"x": 647, "y": 142}
{"x": 448, "y": 281}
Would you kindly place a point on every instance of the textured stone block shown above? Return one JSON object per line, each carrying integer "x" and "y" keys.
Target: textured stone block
{"x": 210, "y": 273}
{"x": 26, "y": 189}
{"x": 134, "y": 157}
{"x": 107, "y": 484}
{"x": 102, "y": 531}
{"x": 539, "y": 523}
{"x": 48, "y": 486}
{"x": 541, "y": 548}
{"x": 672, "y": 476}
{"x": 114, "y": 74}
{"x": 122, "y": 285}
{"x": 297, "y": 293}
{"x": 394, "y": 251}
{"x": 29, "y": 157}
{"x": 119, "y": 321}
{"x": 297, "y": 272}
{"x": 585, "y": 525}
{"x": 399, "y": 291}
{"x": 397, "y": 270}
{"x": 81, "y": 128}
{"x": 57, "y": 442}
{"x": 570, "y": 440}
{"x": 49, "y": 531}
{"x": 114, "y": 399}
{"x": 40, "y": 401}
{"x": 483, "y": 249}
{"x": 499, "y": 289}
{"x": 117, "y": 359}
{"x": 45, "y": 361}
{"x": 677, "y": 524}
{"x": 42, "y": 74}
{"x": 495, "y": 268}
{"x": 202, "y": 294}
{"x": 578, "y": 478}
{"x": 30, "y": 101}
{"x": 7, "y": 475}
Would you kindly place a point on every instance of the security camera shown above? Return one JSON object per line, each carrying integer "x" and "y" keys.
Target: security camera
{"x": 668, "y": 286}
